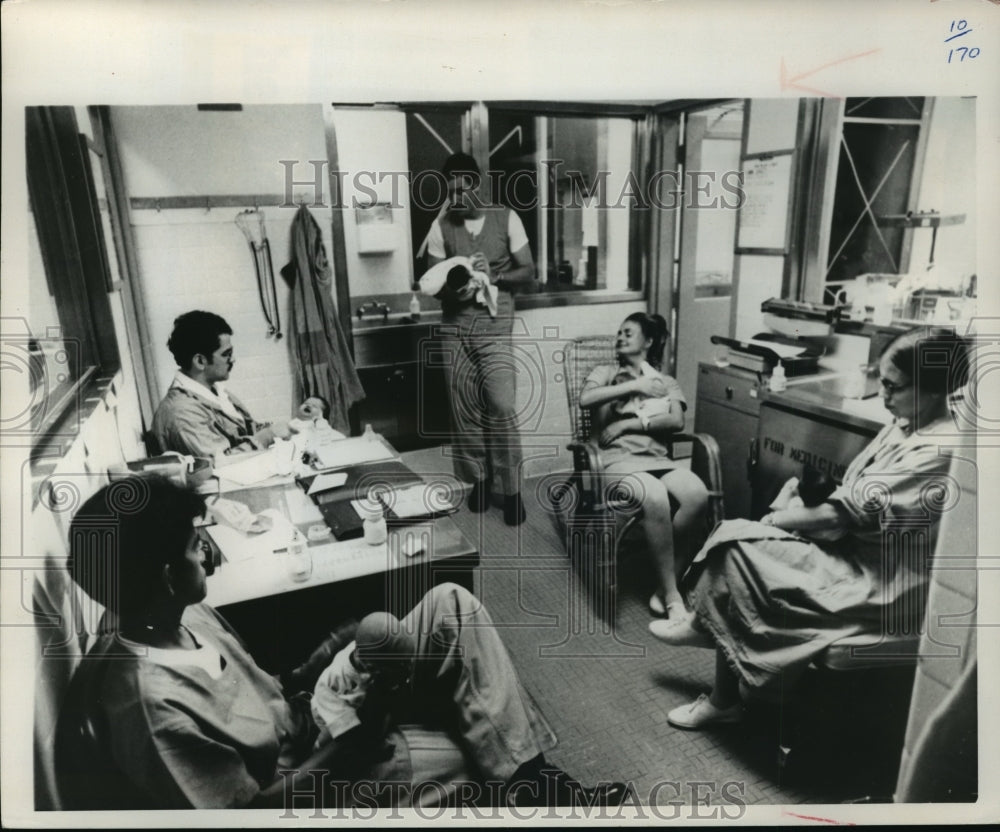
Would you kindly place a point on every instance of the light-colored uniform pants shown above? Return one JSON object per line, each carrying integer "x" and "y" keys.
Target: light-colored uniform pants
{"x": 485, "y": 724}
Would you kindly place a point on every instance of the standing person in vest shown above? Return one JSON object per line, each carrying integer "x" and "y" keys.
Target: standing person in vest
{"x": 482, "y": 375}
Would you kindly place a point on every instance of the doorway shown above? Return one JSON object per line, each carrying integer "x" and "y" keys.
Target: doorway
{"x": 712, "y": 139}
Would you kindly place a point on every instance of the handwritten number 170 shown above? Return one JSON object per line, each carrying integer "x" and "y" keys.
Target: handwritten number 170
{"x": 963, "y": 52}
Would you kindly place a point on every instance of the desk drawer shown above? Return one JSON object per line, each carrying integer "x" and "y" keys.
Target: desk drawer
{"x": 729, "y": 388}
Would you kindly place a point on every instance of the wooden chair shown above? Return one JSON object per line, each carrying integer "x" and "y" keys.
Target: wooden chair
{"x": 593, "y": 516}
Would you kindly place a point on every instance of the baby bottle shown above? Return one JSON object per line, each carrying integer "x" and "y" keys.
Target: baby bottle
{"x": 778, "y": 381}
{"x": 374, "y": 526}
{"x": 299, "y": 559}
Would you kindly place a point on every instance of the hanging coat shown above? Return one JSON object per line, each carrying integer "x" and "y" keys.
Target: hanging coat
{"x": 323, "y": 365}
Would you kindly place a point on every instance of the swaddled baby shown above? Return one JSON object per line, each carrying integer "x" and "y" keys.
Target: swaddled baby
{"x": 641, "y": 405}
{"x": 456, "y": 281}
{"x": 808, "y": 492}
{"x": 311, "y": 427}
{"x": 380, "y": 657}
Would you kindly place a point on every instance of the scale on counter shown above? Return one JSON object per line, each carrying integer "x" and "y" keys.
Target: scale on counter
{"x": 794, "y": 322}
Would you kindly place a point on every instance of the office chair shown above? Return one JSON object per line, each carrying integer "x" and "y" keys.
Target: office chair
{"x": 594, "y": 517}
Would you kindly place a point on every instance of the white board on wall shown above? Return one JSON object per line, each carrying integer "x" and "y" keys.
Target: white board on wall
{"x": 767, "y": 186}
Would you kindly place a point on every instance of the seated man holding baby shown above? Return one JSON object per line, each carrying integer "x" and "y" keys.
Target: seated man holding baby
{"x": 198, "y": 415}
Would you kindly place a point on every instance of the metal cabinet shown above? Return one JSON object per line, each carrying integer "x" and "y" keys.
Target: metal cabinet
{"x": 728, "y": 407}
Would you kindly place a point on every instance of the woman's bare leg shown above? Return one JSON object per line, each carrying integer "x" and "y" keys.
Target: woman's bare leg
{"x": 689, "y": 520}
{"x": 658, "y": 530}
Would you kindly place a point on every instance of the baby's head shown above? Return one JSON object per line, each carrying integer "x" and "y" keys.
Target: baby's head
{"x": 815, "y": 486}
{"x": 315, "y": 407}
{"x": 384, "y": 649}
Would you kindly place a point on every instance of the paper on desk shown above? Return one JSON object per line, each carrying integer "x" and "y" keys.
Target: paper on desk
{"x": 249, "y": 471}
{"x": 301, "y": 510}
{"x": 324, "y": 482}
{"x": 236, "y": 546}
{"x": 418, "y": 500}
{"x": 781, "y": 350}
{"x": 344, "y": 452}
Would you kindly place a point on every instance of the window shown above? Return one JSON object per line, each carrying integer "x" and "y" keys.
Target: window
{"x": 70, "y": 336}
{"x": 571, "y": 179}
{"x": 902, "y": 229}
{"x": 875, "y": 175}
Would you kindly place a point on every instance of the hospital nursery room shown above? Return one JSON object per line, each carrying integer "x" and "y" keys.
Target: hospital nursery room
{"x": 532, "y": 456}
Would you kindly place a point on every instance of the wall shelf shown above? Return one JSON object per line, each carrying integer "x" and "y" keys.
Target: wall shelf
{"x": 169, "y": 203}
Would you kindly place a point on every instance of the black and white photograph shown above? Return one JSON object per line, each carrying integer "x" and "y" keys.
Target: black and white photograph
{"x": 561, "y": 413}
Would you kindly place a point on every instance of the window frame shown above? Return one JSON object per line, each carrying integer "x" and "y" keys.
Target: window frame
{"x": 66, "y": 214}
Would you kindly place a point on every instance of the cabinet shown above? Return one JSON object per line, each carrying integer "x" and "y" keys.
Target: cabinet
{"x": 406, "y": 403}
{"x": 728, "y": 408}
{"x": 405, "y": 398}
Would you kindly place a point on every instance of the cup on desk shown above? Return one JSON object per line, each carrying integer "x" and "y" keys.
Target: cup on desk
{"x": 298, "y": 559}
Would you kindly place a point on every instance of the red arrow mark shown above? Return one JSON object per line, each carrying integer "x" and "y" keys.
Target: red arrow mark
{"x": 792, "y": 82}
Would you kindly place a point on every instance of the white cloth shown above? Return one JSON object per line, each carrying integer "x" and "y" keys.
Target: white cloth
{"x": 219, "y": 399}
{"x": 517, "y": 237}
{"x": 340, "y": 691}
{"x": 434, "y": 279}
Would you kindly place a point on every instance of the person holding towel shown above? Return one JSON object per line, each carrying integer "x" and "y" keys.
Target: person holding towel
{"x": 481, "y": 373}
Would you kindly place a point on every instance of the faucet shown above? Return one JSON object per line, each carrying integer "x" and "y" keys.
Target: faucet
{"x": 375, "y": 308}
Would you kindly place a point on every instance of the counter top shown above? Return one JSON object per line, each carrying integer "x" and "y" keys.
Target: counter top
{"x": 822, "y": 395}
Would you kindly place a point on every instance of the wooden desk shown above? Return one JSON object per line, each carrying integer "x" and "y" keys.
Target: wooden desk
{"x": 282, "y": 618}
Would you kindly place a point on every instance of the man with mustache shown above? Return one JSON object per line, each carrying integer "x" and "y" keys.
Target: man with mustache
{"x": 482, "y": 374}
{"x": 198, "y": 416}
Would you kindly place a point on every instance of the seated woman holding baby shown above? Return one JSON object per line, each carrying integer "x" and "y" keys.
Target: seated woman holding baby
{"x": 769, "y": 598}
{"x": 635, "y": 407}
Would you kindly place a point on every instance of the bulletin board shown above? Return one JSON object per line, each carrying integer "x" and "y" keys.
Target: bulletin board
{"x": 764, "y": 217}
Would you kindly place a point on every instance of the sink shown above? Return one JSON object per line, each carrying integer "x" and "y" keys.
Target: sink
{"x": 398, "y": 340}
{"x": 395, "y": 320}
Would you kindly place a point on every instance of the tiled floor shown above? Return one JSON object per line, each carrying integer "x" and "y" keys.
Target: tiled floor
{"x": 607, "y": 690}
